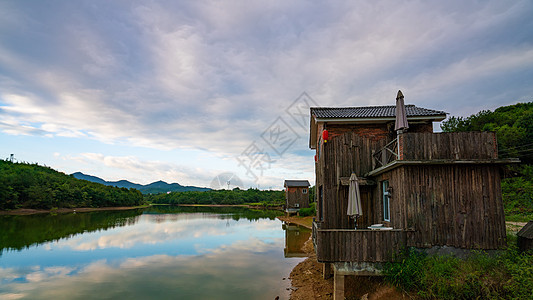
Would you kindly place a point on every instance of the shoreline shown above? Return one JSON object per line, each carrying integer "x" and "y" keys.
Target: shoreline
{"x": 306, "y": 277}
{"x": 33, "y": 211}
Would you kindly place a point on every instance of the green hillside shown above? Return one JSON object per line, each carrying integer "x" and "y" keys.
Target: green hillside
{"x": 25, "y": 185}
{"x": 226, "y": 197}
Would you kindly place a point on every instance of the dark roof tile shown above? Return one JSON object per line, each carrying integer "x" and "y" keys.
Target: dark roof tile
{"x": 296, "y": 183}
{"x": 371, "y": 111}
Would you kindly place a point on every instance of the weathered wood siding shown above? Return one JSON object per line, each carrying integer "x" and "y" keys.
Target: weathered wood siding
{"x": 346, "y": 245}
{"x": 457, "y": 145}
{"x": 452, "y": 205}
{"x": 339, "y": 157}
{"x": 295, "y": 195}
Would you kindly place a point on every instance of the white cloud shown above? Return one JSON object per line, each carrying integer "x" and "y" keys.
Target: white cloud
{"x": 213, "y": 76}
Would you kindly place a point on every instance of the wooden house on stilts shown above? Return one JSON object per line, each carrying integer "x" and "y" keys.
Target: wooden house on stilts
{"x": 434, "y": 191}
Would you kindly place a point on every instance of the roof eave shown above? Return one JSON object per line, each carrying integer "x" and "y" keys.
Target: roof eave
{"x": 435, "y": 118}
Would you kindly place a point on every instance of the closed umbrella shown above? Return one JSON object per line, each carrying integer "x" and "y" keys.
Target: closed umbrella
{"x": 354, "y": 198}
{"x": 401, "y": 116}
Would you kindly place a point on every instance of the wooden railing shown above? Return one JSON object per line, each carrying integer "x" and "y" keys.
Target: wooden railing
{"x": 451, "y": 145}
{"x": 348, "y": 245}
{"x": 386, "y": 155}
{"x": 438, "y": 146}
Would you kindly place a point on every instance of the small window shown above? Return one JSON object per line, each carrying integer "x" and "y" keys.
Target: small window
{"x": 304, "y": 191}
{"x": 297, "y": 205}
{"x": 386, "y": 200}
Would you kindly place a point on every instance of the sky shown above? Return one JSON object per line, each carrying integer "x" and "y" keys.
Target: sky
{"x": 202, "y": 92}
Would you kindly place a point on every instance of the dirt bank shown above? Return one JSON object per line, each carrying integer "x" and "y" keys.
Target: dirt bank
{"x": 514, "y": 226}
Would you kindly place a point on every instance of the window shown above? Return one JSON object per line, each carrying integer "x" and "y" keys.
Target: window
{"x": 297, "y": 205}
{"x": 304, "y": 191}
{"x": 386, "y": 200}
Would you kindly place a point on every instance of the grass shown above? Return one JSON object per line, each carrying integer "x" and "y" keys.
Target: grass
{"x": 507, "y": 275}
{"x": 525, "y": 217}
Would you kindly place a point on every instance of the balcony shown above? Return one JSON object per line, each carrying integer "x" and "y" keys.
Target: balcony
{"x": 437, "y": 148}
{"x": 361, "y": 245}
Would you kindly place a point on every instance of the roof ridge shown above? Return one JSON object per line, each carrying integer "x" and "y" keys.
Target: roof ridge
{"x": 370, "y": 106}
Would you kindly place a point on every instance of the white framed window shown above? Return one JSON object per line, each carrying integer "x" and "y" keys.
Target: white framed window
{"x": 304, "y": 191}
{"x": 297, "y": 205}
{"x": 386, "y": 200}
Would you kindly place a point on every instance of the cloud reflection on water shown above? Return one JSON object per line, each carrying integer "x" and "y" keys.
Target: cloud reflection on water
{"x": 222, "y": 269}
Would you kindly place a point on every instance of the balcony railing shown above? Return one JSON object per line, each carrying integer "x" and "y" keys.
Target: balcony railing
{"x": 386, "y": 155}
{"x": 349, "y": 245}
{"x": 414, "y": 146}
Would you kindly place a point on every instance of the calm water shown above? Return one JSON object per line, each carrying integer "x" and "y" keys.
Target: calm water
{"x": 158, "y": 253}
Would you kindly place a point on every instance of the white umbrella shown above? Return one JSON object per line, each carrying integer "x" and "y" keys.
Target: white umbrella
{"x": 401, "y": 116}
{"x": 354, "y": 198}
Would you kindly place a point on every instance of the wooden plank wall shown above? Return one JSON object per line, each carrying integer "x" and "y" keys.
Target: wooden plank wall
{"x": 341, "y": 156}
{"x": 294, "y": 195}
{"x": 452, "y": 205}
{"x": 456, "y": 145}
{"x": 359, "y": 245}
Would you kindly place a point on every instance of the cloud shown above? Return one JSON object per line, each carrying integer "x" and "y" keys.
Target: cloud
{"x": 213, "y": 76}
{"x": 144, "y": 171}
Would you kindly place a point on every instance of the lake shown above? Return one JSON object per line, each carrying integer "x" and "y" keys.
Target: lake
{"x": 161, "y": 252}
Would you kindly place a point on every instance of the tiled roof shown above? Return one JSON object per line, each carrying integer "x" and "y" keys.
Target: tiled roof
{"x": 371, "y": 111}
{"x": 296, "y": 183}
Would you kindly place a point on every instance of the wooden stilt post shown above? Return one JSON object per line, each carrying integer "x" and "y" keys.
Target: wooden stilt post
{"x": 326, "y": 270}
{"x": 338, "y": 287}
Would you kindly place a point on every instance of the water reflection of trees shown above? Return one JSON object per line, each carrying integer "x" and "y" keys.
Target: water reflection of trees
{"x": 224, "y": 212}
{"x": 19, "y": 232}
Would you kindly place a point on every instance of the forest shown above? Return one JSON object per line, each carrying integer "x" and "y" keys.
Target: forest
{"x": 24, "y": 185}
{"x": 226, "y": 197}
{"x": 513, "y": 125}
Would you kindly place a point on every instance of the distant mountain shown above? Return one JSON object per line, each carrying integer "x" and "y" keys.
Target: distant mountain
{"x": 152, "y": 188}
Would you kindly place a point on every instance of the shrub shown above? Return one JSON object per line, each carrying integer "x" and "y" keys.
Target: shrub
{"x": 304, "y": 212}
{"x": 508, "y": 275}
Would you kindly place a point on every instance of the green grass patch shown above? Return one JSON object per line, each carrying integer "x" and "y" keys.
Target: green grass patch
{"x": 519, "y": 217}
{"x": 507, "y": 275}
{"x": 308, "y": 211}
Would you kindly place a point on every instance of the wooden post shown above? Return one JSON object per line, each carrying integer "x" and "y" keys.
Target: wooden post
{"x": 326, "y": 270}
{"x": 338, "y": 287}
{"x": 373, "y": 159}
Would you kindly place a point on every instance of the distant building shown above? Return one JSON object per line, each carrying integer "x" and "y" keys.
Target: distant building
{"x": 296, "y": 195}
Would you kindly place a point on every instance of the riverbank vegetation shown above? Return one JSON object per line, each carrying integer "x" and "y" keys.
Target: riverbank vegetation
{"x": 513, "y": 125}
{"x": 24, "y": 185}
{"x": 506, "y": 275}
{"x": 236, "y": 196}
